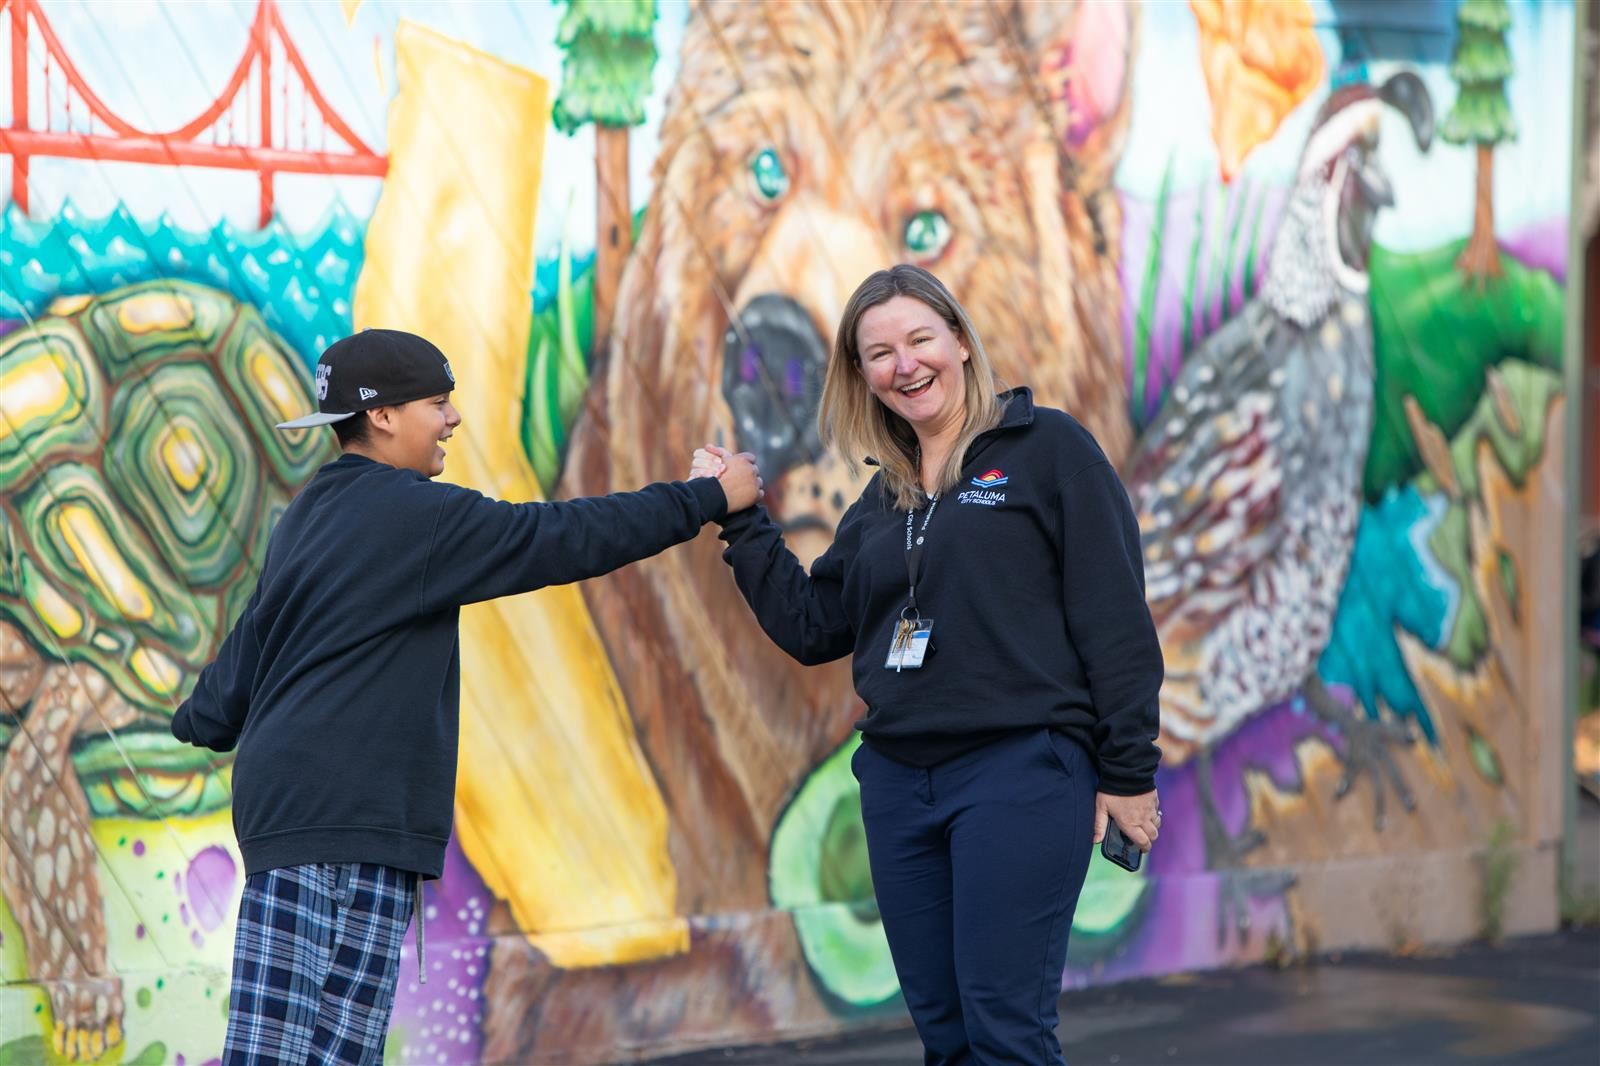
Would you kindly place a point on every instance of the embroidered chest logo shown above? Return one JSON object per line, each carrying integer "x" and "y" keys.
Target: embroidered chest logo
{"x": 986, "y": 494}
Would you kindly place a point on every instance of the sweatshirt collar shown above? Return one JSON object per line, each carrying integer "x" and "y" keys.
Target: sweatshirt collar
{"x": 1018, "y": 408}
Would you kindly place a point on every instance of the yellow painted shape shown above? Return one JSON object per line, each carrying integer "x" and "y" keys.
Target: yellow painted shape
{"x": 349, "y": 7}
{"x": 184, "y": 456}
{"x": 155, "y": 312}
{"x": 36, "y": 390}
{"x": 267, "y": 373}
{"x": 556, "y": 806}
{"x": 69, "y": 305}
{"x": 102, "y": 563}
{"x": 155, "y": 671}
{"x": 53, "y": 609}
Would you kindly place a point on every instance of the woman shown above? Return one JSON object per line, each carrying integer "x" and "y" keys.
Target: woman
{"x": 988, "y": 583}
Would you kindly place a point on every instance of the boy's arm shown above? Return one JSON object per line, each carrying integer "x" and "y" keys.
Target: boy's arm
{"x": 481, "y": 548}
{"x": 213, "y": 715}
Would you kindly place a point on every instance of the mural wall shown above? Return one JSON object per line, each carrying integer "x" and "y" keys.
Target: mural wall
{"x": 632, "y": 226}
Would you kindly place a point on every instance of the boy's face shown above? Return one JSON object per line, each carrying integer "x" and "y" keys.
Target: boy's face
{"x": 411, "y": 433}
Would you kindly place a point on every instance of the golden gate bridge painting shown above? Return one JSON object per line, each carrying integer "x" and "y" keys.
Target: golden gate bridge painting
{"x": 269, "y": 117}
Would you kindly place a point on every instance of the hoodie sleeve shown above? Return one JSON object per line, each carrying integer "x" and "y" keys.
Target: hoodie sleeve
{"x": 481, "y": 548}
{"x": 214, "y": 714}
{"x": 802, "y": 614}
{"x": 1110, "y": 626}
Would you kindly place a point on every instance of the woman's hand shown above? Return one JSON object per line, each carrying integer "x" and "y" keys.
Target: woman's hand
{"x": 1139, "y": 817}
{"x": 706, "y": 464}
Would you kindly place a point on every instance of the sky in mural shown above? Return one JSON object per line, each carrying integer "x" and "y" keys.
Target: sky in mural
{"x": 353, "y": 61}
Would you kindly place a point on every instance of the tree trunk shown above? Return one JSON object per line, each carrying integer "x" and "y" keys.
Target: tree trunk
{"x": 1480, "y": 260}
{"x": 613, "y": 228}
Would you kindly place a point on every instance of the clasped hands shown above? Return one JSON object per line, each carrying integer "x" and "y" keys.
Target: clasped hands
{"x": 741, "y": 482}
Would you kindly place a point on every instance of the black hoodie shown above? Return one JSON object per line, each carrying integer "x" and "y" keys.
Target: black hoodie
{"x": 340, "y": 681}
{"x": 1031, "y": 570}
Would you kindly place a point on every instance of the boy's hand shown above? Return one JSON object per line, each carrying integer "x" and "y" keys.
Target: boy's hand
{"x": 741, "y": 482}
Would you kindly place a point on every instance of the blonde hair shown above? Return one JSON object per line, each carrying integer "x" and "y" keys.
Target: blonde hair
{"x": 854, "y": 421}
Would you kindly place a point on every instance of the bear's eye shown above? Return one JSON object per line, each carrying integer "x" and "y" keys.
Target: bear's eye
{"x": 927, "y": 233}
{"x": 771, "y": 179}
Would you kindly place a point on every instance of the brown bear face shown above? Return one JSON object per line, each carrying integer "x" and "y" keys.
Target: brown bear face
{"x": 804, "y": 146}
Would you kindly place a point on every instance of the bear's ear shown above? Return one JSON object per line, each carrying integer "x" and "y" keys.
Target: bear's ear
{"x": 1083, "y": 55}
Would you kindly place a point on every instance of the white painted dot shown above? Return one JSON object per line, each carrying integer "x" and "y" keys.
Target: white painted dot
{"x": 44, "y": 868}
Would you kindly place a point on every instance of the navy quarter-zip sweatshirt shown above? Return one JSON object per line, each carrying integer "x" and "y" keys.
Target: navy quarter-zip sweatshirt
{"x": 340, "y": 681}
{"x": 1033, "y": 575}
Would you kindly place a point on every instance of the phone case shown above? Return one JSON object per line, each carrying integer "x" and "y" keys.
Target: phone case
{"x": 1119, "y": 849}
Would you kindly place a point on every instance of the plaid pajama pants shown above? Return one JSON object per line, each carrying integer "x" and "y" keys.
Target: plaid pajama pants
{"x": 315, "y": 964}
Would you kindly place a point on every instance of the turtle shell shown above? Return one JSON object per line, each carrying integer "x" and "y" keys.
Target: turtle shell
{"x": 140, "y": 476}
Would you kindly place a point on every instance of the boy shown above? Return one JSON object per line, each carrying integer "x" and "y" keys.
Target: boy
{"x": 339, "y": 685}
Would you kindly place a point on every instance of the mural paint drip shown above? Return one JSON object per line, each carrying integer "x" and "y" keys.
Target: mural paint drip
{"x": 1292, "y": 301}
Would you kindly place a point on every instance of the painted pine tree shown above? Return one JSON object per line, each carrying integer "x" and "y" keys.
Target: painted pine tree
{"x": 1482, "y": 117}
{"x": 610, "y": 53}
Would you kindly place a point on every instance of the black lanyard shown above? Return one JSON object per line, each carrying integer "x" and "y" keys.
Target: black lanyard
{"x": 914, "y": 549}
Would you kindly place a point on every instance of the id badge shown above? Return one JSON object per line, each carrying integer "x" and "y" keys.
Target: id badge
{"x": 909, "y": 644}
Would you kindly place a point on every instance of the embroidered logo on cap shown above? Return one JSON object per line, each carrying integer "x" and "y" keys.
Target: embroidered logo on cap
{"x": 366, "y": 393}
{"x": 448, "y": 373}
{"x": 324, "y": 372}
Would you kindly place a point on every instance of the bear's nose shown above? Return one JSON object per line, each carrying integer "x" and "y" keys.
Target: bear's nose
{"x": 772, "y": 365}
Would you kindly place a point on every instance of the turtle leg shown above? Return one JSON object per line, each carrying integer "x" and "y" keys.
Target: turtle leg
{"x": 50, "y": 874}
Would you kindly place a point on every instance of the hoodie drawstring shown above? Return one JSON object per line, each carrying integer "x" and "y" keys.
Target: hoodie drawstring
{"x": 422, "y": 972}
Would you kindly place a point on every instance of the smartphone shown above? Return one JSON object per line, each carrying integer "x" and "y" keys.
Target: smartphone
{"x": 1119, "y": 849}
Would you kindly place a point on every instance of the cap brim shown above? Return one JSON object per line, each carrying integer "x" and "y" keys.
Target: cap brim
{"x": 321, "y": 419}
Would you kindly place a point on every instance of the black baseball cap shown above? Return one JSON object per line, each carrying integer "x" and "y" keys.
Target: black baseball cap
{"x": 375, "y": 368}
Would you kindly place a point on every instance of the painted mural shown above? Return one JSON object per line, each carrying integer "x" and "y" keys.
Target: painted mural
{"x": 632, "y": 225}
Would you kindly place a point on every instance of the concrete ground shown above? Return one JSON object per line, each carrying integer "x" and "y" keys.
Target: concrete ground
{"x": 1531, "y": 1000}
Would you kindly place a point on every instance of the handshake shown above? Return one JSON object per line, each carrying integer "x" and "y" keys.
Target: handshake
{"x": 737, "y": 472}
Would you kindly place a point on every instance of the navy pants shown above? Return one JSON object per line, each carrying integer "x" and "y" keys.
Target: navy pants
{"x": 977, "y": 864}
